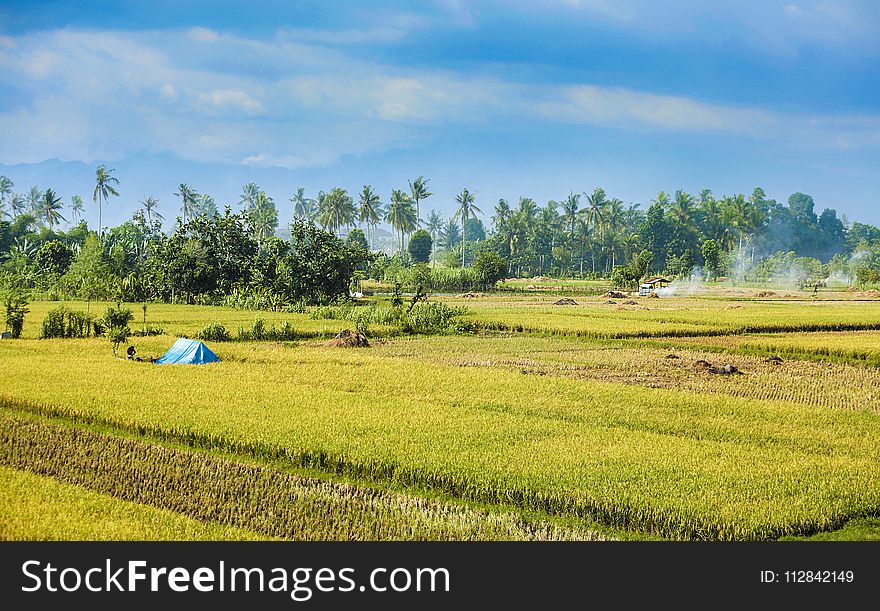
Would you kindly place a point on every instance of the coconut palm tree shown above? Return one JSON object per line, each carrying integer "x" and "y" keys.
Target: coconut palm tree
{"x": 104, "y": 181}
{"x": 528, "y": 213}
{"x": 189, "y": 198}
{"x": 303, "y": 207}
{"x": 207, "y": 205}
{"x": 434, "y": 227}
{"x": 34, "y": 197}
{"x": 369, "y": 210}
{"x": 336, "y": 210}
{"x": 615, "y": 219}
{"x": 450, "y": 233}
{"x": 18, "y": 204}
{"x": 5, "y": 189}
{"x": 595, "y": 210}
{"x": 150, "y": 204}
{"x": 76, "y": 208}
{"x": 249, "y": 194}
{"x": 263, "y": 216}
{"x": 570, "y": 211}
{"x": 418, "y": 190}
{"x": 402, "y": 214}
{"x": 466, "y": 211}
{"x": 502, "y": 214}
{"x": 49, "y": 208}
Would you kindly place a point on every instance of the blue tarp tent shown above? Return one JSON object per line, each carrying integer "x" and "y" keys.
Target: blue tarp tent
{"x": 188, "y": 352}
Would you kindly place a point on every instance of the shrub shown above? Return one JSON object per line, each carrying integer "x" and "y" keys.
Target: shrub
{"x": 65, "y": 323}
{"x": 117, "y": 320}
{"x": 432, "y": 318}
{"x": 214, "y": 331}
{"x": 16, "y": 308}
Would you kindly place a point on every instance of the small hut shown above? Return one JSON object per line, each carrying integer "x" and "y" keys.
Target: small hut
{"x": 651, "y": 285}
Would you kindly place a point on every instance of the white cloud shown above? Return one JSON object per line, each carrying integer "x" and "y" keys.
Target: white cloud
{"x": 625, "y": 107}
{"x": 280, "y": 102}
{"x": 230, "y": 98}
{"x": 204, "y": 35}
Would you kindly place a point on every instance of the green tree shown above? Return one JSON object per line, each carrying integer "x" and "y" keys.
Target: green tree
{"x": 435, "y": 227}
{"x": 418, "y": 190}
{"x": 336, "y": 210}
{"x": 50, "y": 207}
{"x": 466, "y": 211}
{"x": 104, "y": 188}
{"x": 189, "y": 199}
{"x": 369, "y": 210}
{"x": 401, "y": 215}
{"x": 711, "y": 256}
{"x": 420, "y": 246}
{"x": 76, "y": 208}
{"x": 303, "y": 207}
{"x": 490, "y": 268}
{"x": 150, "y": 204}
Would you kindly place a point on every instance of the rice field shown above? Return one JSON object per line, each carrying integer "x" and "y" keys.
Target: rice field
{"x": 674, "y": 317}
{"x": 36, "y": 507}
{"x": 576, "y": 422}
{"x": 675, "y": 463}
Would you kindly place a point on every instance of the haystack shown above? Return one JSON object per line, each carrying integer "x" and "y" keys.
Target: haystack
{"x": 349, "y": 339}
{"x": 565, "y": 301}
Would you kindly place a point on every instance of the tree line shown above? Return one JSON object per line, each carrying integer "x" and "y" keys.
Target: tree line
{"x": 210, "y": 255}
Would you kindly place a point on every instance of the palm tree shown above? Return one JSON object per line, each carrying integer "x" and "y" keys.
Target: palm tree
{"x": 207, "y": 205}
{"x": 249, "y": 194}
{"x": 615, "y": 217}
{"x": 34, "y": 197}
{"x": 49, "y": 208}
{"x": 303, "y": 208}
{"x": 402, "y": 214}
{"x": 150, "y": 204}
{"x": 104, "y": 181}
{"x": 336, "y": 210}
{"x": 18, "y": 204}
{"x": 434, "y": 226}
{"x": 502, "y": 214}
{"x": 263, "y": 216}
{"x": 189, "y": 198}
{"x": 76, "y": 208}
{"x": 595, "y": 210}
{"x": 466, "y": 211}
{"x": 570, "y": 211}
{"x": 528, "y": 213}
{"x": 5, "y": 189}
{"x": 418, "y": 190}
{"x": 450, "y": 233}
{"x": 369, "y": 210}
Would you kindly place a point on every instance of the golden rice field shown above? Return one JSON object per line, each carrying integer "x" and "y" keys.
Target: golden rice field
{"x": 670, "y": 317}
{"x": 853, "y": 346}
{"x": 677, "y": 463}
{"x": 576, "y": 422}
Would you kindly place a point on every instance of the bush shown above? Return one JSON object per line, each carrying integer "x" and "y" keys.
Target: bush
{"x": 117, "y": 320}
{"x": 16, "y": 308}
{"x": 214, "y": 332}
{"x": 430, "y": 318}
{"x": 65, "y": 323}
{"x": 259, "y": 331}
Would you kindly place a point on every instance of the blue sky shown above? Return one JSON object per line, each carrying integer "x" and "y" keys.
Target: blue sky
{"x": 509, "y": 98}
